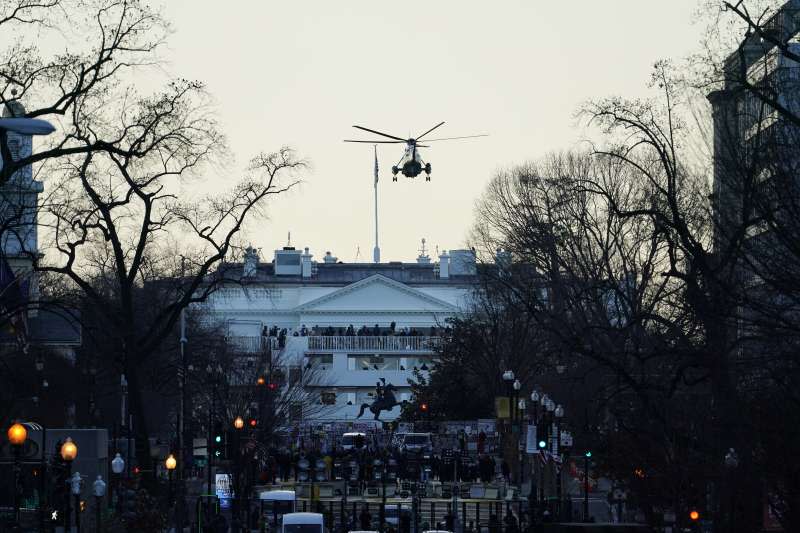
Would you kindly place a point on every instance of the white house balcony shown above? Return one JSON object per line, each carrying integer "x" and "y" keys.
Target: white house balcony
{"x": 382, "y": 344}
{"x": 252, "y": 345}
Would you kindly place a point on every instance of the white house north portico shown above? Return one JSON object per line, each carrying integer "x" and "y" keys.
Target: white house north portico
{"x": 350, "y": 324}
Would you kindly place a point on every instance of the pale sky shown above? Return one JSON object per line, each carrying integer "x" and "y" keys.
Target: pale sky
{"x": 302, "y": 72}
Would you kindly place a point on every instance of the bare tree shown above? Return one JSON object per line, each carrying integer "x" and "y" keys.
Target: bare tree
{"x": 114, "y": 215}
{"x": 108, "y": 41}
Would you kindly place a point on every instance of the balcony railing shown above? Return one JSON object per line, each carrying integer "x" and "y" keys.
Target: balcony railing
{"x": 256, "y": 344}
{"x": 372, "y": 344}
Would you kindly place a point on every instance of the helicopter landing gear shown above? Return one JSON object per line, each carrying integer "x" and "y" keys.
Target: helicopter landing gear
{"x": 427, "y": 168}
{"x": 394, "y": 178}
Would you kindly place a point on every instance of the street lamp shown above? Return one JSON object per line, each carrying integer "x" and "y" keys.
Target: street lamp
{"x": 731, "y": 463}
{"x": 99, "y": 489}
{"x": 170, "y": 463}
{"x": 118, "y": 467}
{"x": 238, "y": 423}
{"x": 17, "y": 435}
{"x": 69, "y": 451}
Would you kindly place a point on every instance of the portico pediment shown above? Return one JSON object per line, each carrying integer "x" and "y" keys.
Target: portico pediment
{"x": 377, "y": 293}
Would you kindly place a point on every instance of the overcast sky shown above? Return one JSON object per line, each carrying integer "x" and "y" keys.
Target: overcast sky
{"x": 301, "y": 73}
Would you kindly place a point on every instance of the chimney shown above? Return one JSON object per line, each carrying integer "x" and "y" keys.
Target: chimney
{"x": 503, "y": 260}
{"x": 305, "y": 263}
{"x": 287, "y": 262}
{"x": 250, "y": 265}
{"x": 444, "y": 266}
{"x": 462, "y": 263}
{"x": 329, "y": 258}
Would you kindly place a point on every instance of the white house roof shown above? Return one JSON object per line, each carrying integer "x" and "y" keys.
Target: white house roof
{"x": 377, "y": 293}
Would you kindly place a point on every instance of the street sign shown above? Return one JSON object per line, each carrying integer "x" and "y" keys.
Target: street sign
{"x": 224, "y": 489}
{"x": 530, "y": 441}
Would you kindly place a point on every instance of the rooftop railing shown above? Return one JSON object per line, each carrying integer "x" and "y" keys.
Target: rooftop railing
{"x": 339, "y": 343}
{"x": 255, "y": 344}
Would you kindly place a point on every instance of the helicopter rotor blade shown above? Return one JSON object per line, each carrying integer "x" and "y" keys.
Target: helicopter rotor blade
{"x": 374, "y": 142}
{"x": 430, "y": 130}
{"x": 454, "y": 138}
{"x": 379, "y": 133}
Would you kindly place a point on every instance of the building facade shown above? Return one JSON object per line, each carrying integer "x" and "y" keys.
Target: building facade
{"x": 351, "y": 325}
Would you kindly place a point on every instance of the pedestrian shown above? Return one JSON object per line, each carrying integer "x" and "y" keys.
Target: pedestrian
{"x": 405, "y": 522}
{"x": 365, "y": 519}
{"x": 505, "y": 470}
{"x": 219, "y": 525}
{"x": 494, "y": 524}
{"x": 511, "y": 523}
{"x": 449, "y": 522}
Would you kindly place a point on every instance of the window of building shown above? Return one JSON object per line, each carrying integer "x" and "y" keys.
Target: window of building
{"x": 373, "y": 362}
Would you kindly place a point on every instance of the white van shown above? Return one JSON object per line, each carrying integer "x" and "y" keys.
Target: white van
{"x": 417, "y": 442}
{"x": 275, "y": 504}
{"x": 349, "y": 440}
{"x": 303, "y": 523}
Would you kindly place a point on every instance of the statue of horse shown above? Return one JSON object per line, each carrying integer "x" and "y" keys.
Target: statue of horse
{"x": 383, "y": 402}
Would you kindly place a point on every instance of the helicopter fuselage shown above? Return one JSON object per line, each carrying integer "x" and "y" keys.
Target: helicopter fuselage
{"x": 411, "y": 164}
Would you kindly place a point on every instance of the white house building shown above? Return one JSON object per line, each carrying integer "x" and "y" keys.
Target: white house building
{"x": 352, "y": 324}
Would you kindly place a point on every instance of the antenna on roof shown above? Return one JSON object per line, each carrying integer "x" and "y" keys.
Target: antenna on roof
{"x": 289, "y": 239}
{"x": 423, "y": 249}
{"x": 358, "y": 253}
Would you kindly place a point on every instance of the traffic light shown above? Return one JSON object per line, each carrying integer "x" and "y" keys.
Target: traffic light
{"x": 423, "y": 408}
{"x": 253, "y": 422}
{"x": 217, "y": 440}
{"x": 588, "y": 454}
{"x": 694, "y": 515}
{"x": 272, "y": 386}
{"x": 542, "y": 444}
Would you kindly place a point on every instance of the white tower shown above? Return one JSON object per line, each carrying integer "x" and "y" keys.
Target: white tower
{"x": 19, "y": 198}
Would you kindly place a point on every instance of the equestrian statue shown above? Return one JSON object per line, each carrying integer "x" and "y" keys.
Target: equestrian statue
{"x": 384, "y": 400}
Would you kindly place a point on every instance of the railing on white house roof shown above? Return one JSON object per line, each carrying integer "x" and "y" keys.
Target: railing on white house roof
{"x": 255, "y": 344}
{"x": 338, "y": 343}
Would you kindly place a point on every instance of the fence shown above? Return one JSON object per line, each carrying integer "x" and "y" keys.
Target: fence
{"x": 338, "y": 343}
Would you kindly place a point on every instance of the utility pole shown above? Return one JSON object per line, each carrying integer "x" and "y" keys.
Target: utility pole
{"x": 179, "y": 505}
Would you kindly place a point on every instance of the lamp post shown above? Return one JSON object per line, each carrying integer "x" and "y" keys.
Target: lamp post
{"x": 238, "y": 424}
{"x": 69, "y": 451}
{"x": 532, "y": 493}
{"x": 117, "y": 467}
{"x": 522, "y": 406}
{"x": 508, "y": 379}
{"x": 75, "y": 488}
{"x": 586, "y": 457}
{"x": 559, "y": 414}
{"x": 170, "y": 463}
{"x": 731, "y": 463}
{"x": 99, "y": 489}
{"x": 17, "y": 435}
{"x": 213, "y": 375}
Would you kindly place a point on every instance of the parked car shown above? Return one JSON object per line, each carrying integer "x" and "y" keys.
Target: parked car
{"x": 350, "y": 440}
{"x": 303, "y": 523}
{"x": 417, "y": 443}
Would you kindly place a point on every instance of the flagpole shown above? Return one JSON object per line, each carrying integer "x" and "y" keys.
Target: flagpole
{"x": 376, "y": 252}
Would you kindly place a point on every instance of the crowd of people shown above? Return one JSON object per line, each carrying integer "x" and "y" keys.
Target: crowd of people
{"x": 284, "y": 465}
{"x": 350, "y": 331}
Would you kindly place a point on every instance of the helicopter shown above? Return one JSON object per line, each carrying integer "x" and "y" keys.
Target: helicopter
{"x": 411, "y": 164}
